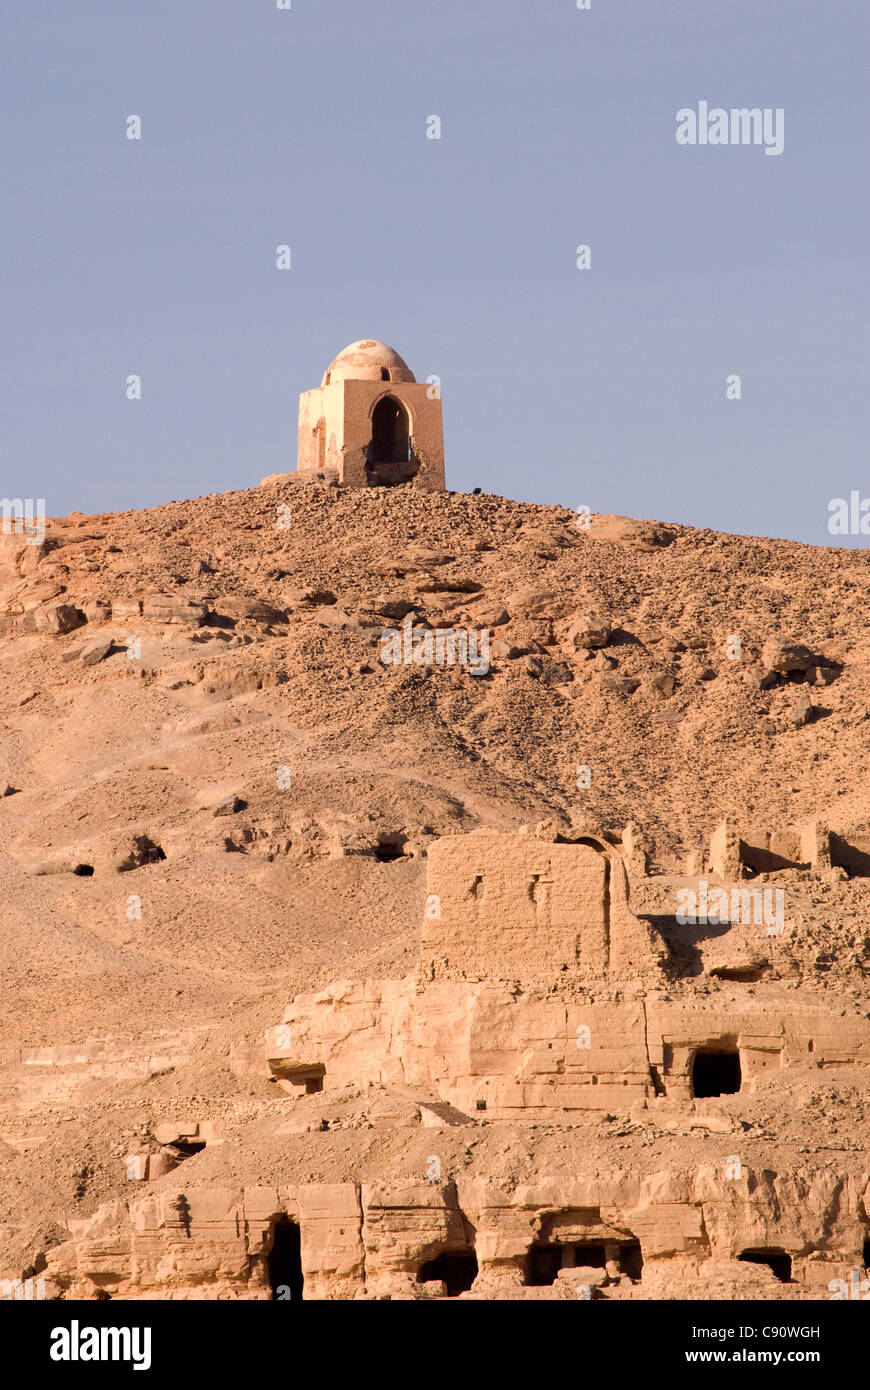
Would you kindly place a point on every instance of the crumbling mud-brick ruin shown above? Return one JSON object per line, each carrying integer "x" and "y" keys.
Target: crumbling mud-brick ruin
{"x": 331, "y": 979}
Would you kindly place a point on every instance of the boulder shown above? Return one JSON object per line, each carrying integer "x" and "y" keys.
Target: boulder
{"x": 589, "y": 629}
{"x": 171, "y": 608}
{"x": 432, "y": 584}
{"x": 626, "y": 531}
{"x": 759, "y": 677}
{"x": 504, "y": 650}
{"x": 783, "y": 654}
{"x": 236, "y": 606}
{"x": 312, "y": 598}
{"x": 126, "y": 609}
{"x": 97, "y": 611}
{"x": 619, "y": 684}
{"x": 557, "y": 673}
{"x": 538, "y": 603}
{"x": 664, "y": 684}
{"x": 491, "y": 615}
{"x": 394, "y": 606}
{"x": 821, "y": 675}
{"x": 58, "y": 617}
{"x": 801, "y": 712}
{"x": 92, "y": 653}
{"x": 278, "y": 478}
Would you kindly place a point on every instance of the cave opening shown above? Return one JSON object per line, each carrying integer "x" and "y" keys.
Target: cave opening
{"x": 457, "y": 1269}
{"x": 776, "y": 1260}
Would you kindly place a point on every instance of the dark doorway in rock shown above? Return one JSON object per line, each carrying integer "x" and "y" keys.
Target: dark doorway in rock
{"x": 543, "y": 1263}
{"x": 866, "y": 1254}
{"x": 284, "y": 1261}
{"x": 776, "y": 1260}
{"x": 308, "y": 1079}
{"x": 716, "y": 1072}
{"x": 84, "y": 870}
{"x": 592, "y": 1255}
{"x": 456, "y": 1268}
{"x": 390, "y": 847}
{"x": 389, "y": 458}
{"x": 186, "y": 1148}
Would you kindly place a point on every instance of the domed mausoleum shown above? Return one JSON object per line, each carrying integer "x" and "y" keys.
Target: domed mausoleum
{"x": 371, "y": 424}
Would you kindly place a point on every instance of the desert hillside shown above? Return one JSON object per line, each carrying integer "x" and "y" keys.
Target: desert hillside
{"x": 217, "y": 796}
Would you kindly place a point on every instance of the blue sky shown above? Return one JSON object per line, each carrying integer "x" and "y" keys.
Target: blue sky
{"x": 307, "y": 126}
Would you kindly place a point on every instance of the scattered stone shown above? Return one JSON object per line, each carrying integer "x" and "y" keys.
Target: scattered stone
{"x": 801, "y": 711}
{"x": 230, "y": 806}
{"x": 396, "y": 608}
{"x": 95, "y": 652}
{"x": 58, "y": 617}
{"x": 236, "y": 607}
{"x": 557, "y": 673}
{"x": 172, "y": 608}
{"x": 782, "y": 655}
{"x": 491, "y": 615}
{"x": 821, "y": 675}
{"x": 671, "y": 716}
{"x": 589, "y": 629}
{"x": 311, "y": 598}
{"x": 628, "y": 532}
{"x": 431, "y": 584}
{"x": 618, "y": 683}
{"x": 664, "y": 684}
{"x": 760, "y": 678}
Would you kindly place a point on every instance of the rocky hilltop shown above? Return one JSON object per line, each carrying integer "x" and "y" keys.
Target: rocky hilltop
{"x": 298, "y": 944}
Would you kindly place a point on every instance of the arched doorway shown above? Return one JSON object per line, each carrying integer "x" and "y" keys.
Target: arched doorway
{"x": 388, "y": 457}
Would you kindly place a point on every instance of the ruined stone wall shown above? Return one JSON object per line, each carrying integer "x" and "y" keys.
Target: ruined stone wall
{"x": 525, "y": 908}
{"x": 735, "y": 847}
